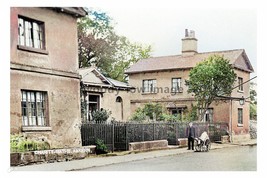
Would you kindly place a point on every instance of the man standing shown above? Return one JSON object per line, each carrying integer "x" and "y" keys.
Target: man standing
{"x": 190, "y": 132}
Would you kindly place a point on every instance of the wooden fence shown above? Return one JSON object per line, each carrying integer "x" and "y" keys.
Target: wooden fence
{"x": 117, "y": 136}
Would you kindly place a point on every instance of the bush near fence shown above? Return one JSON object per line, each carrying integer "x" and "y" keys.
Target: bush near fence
{"x": 118, "y": 135}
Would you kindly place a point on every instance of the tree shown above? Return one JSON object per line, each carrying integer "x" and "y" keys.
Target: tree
{"x": 96, "y": 39}
{"x": 209, "y": 79}
{"x": 99, "y": 44}
{"x": 253, "y": 93}
{"x": 253, "y": 102}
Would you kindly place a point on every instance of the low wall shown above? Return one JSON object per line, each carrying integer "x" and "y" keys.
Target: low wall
{"x": 225, "y": 139}
{"x": 50, "y": 156}
{"x": 182, "y": 142}
{"x": 148, "y": 145}
{"x": 240, "y": 138}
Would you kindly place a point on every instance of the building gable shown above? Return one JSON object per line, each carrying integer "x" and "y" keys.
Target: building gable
{"x": 92, "y": 76}
{"x": 243, "y": 63}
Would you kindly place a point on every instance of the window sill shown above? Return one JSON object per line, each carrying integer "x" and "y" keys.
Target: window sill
{"x": 34, "y": 50}
{"x": 35, "y": 128}
{"x": 239, "y": 125}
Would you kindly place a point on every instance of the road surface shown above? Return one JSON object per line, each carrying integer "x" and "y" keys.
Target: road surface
{"x": 240, "y": 158}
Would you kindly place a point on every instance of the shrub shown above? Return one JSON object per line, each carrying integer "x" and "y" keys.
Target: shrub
{"x": 18, "y": 143}
{"x": 151, "y": 110}
{"x": 168, "y": 117}
{"x": 190, "y": 115}
{"x": 138, "y": 115}
{"x": 101, "y": 115}
{"x": 101, "y": 147}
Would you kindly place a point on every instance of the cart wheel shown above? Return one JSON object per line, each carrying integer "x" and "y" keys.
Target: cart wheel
{"x": 197, "y": 148}
{"x": 208, "y": 146}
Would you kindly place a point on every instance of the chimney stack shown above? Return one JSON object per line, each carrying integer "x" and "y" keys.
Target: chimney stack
{"x": 189, "y": 43}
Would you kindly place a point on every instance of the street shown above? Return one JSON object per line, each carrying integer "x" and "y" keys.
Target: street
{"x": 241, "y": 158}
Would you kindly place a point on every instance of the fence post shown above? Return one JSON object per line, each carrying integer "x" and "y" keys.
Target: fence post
{"x": 176, "y": 132}
{"x": 143, "y": 135}
{"x": 113, "y": 137}
{"x": 126, "y": 139}
{"x": 153, "y": 131}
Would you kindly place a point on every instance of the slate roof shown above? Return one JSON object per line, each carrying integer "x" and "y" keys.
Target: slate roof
{"x": 74, "y": 11}
{"x": 189, "y": 61}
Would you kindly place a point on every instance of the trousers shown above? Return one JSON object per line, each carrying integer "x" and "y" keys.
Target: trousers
{"x": 190, "y": 143}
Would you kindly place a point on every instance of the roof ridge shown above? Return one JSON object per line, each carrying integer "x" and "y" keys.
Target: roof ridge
{"x": 223, "y": 51}
{"x": 163, "y": 56}
{"x": 178, "y": 55}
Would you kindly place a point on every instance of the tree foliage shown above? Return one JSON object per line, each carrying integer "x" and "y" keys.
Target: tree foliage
{"x": 101, "y": 115}
{"x": 253, "y": 102}
{"x": 153, "y": 111}
{"x": 209, "y": 79}
{"x": 253, "y": 93}
{"x": 99, "y": 44}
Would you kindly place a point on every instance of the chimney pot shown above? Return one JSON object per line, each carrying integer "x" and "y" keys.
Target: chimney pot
{"x": 192, "y": 33}
{"x": 186, "y": 32}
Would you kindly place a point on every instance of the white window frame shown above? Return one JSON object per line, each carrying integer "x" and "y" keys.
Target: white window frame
{"x": 31, "y": 33}
{"x": 176, "y": 85}
{"x": 149, "y": 85}
{"x": 34, "y": 108}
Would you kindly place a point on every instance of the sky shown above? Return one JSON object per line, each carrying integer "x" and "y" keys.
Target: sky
{"x": 163, "y": 28}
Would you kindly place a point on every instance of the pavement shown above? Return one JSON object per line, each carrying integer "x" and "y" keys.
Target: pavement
{"x": 120, "y": 157}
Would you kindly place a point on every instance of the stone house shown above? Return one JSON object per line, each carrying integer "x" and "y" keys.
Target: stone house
{"x": 98, "y": 91}
{"x": 162, "y": 80}
{"x": 44, "y": 81}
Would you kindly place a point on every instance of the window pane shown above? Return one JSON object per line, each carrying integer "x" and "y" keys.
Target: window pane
{"x": 24, "y": 120}
{"x": 145, "y": 85}
{"x": 38, "y": 96}
{"x": 24, "y": 96}
{"x": 240, "y": 116}
{"x": 21, "y": 32}
{"x": 240, "y": 83}
{"x": 32, "y": 97}
{"x": 93, "y": 98}
{"x": 36, "y": 39}
{"x": 28, "y": 34}
{"x": 154, "y": 83}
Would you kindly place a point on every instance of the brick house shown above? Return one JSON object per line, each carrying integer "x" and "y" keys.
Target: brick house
{"x": 167, "y": 75}
{"x": 99, "y": 92}
{"x": 44, "y": 81}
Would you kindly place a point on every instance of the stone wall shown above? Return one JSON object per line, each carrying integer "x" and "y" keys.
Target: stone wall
{"x": 50, "y": 156}
{"x": 253, "y": 129}
{"x": 148, "y": 145}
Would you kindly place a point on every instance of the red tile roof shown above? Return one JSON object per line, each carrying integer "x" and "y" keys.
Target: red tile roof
{"x": 186, "y": 62}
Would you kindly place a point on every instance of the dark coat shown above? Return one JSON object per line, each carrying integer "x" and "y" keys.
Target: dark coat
{"x": 193, "y": 132}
